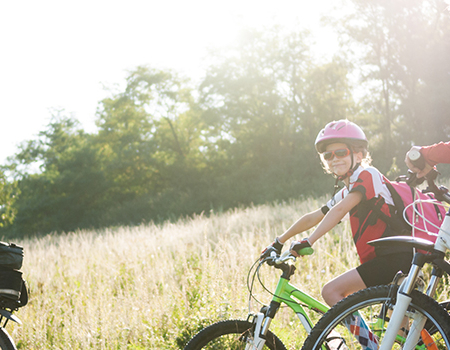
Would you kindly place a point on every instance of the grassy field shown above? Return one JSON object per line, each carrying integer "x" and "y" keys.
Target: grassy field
{"x": 153, "y": 287}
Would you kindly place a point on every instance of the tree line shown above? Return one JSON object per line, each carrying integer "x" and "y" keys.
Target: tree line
{"x": 166, "y": 147}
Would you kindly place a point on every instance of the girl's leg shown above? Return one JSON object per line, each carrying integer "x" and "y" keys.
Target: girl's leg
{"x": 342, "y": 286}
{"x": 336, "y": 290}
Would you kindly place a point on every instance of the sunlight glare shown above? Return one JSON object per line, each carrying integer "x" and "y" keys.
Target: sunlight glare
{"x": 60, "y": 55}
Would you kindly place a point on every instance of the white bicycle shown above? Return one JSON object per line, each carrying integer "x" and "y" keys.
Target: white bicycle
{"x": 392, "y": 316}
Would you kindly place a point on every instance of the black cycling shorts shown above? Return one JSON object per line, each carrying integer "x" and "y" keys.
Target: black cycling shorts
{"x": 382, "y": 269}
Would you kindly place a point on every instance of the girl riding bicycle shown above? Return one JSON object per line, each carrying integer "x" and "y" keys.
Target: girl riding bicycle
{"x": 398, "y": 314}
{"x": 342, "y": 146}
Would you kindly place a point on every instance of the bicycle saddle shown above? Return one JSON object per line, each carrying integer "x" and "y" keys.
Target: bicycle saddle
{"x": 418, "y": 243}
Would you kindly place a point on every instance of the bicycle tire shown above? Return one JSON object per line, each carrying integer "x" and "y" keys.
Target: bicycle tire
{"x": 6, "y": 342}
{"x": 229, "y": 334}
{"x": 374, "y": 302}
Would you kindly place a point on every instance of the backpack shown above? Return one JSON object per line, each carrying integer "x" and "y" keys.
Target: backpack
{"x": 403, "y": 195}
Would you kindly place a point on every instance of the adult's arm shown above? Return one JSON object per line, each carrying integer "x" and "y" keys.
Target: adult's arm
{"x": 437, "y": 153}
{"x": 434, "y": 154}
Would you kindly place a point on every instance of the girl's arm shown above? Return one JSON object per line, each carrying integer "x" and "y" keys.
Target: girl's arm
{"x": 335, "y": 215}
{"x": 304, "y": 223}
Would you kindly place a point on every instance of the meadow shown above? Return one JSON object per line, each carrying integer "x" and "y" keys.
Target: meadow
{"x": 153, "y": 287}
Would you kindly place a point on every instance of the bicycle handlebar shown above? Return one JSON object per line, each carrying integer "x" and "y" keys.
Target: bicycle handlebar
{"x": 416, "y": 158}
{"x": 441, "y": 193}
{"x": 275, "y": 259}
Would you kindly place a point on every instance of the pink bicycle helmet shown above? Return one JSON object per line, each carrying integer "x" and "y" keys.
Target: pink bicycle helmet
{"x": 340, "y": 131}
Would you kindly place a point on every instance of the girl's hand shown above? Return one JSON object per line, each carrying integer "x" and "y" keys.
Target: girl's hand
{"x": 276, "y": 247}
{"x": 299, "y": 245}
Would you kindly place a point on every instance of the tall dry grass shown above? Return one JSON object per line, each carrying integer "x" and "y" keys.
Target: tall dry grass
{"x": 153, "y": 287}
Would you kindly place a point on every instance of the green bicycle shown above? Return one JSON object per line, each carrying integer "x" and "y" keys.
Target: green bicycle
{"x": 254, "y": 333}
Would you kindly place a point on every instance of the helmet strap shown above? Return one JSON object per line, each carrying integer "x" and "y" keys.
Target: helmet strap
{"x": 336, "y": 188}
{"x": 350, "y": 171}
{"x": 343, "y": 177}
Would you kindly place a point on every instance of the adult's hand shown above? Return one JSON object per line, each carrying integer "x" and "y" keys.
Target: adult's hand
{"x": 415, "y": 166}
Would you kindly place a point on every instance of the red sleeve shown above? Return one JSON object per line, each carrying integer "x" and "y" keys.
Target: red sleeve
{"x": 364, "y": 184}
{"x": 438, "y": 153}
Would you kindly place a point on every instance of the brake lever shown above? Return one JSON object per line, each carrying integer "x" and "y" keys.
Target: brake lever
{"x": 432, "y": 175}
{"x": 412, "y": 179}
{"x": 275, "y": 259}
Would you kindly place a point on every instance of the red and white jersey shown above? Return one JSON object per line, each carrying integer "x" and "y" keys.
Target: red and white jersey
{"x": 364, "y": 218}
{"x": 378, "y": 185}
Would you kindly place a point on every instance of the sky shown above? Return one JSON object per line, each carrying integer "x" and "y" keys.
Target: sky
{"x": 67, "y": 55}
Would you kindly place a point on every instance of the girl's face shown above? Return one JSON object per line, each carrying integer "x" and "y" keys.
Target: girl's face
{"x": 337, "y": 156}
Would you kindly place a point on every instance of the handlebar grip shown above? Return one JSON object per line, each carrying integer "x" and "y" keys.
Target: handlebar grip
{"x": 416, "y": 158}
{"x": 306, "y": 251}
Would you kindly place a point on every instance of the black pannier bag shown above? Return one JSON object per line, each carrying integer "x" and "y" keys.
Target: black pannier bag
{"x": 11, "y": 256}
{"x": 13, "y": 291}
{"x": 11, "y": 284}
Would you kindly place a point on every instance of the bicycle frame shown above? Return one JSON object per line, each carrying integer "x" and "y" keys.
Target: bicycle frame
{"x": 285, "y": 292}
{"x": 6, "y": 315}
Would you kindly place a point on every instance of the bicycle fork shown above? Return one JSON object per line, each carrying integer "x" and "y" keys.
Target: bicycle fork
{"x": 257, "y": 341}
{"x": 261, "y": 324}
{"x": 417, "y": 328}
{"x": 401, "y": 306}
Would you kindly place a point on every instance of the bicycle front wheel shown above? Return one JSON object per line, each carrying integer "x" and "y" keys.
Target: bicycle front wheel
{"x": 360, "y": 320}
{"x": 6, "y": 342}
{"x": 230, "y": 335}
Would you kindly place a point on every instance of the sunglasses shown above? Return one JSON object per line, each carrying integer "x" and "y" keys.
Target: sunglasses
{"x": 339, "y": 153}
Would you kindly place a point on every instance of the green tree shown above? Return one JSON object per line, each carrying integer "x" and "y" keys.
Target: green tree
{"x": 399, "y": 49}
{"x": 8, "y": 194}
{"x": 264, "y": 103}
{"x": 152, "y": 151}
{"x": 68, "y": 189}
{"x": 434, "y": 111}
